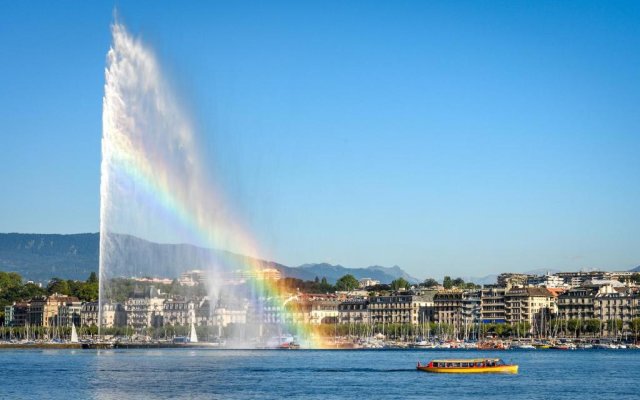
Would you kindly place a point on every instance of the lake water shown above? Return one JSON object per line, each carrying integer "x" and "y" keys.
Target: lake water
{"x": 307, "y": 374}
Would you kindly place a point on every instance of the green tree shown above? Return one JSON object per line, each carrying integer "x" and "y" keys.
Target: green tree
{"x": 635, "y": 326}
{"x": 458, "y": 282}
{"x": 325, "y": 287}
{"x": 614, "y": 326}
{"x": 400, "y": 283}
{"x": 521, "y": 328}
{"x": 430, "y": 282}
{"x": 87, "y": 292}
{"x": 447, "y": 283}
{"x": 9, "y": 280}
{"x": 347, "y": 283}
{"x": 501, "y": 329}
{"x": 574, "y": 327}
{"x": 93, "y": 278}
{"x": 57, "y": 285}
{"x": 592, "y": 326}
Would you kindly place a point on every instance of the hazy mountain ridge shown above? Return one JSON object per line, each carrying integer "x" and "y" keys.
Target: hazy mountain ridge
{"x": 334, "y": 272}
{"x": 39, "y": 257}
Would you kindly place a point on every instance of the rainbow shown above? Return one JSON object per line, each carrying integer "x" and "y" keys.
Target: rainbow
{"x": 151, "y": 166}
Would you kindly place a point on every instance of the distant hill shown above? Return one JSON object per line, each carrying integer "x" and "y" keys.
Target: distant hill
{"x": 636, "y": 269}
{"x": 39, "y": 257}
{"x": 334, "y": 272}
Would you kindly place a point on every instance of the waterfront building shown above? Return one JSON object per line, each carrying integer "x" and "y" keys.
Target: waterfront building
{"x": 533, "y": 305}
{"x": 227, "y": 312}
{"x": 354, "y": 311}
{"x": 8, "y": 315}
{"x": 399, "y": 309}
{"x": 492, "y": 304}
{"x": 297, "y": 310}
{"x": 46, "y": 310}
{"x": 324, "y": 309}
{"x": 62, "y": 310}
{"x": 144, "y": 312}
{"x": 69, "y": 313}
{"x": 113, "y": 314}
{"x": 36, "y": 313}
{"x": 178, "y": 311}
{"x": 615, "y": 308}
{"x": 203, "y": 313}
{"x": 20, "y": 313}
{"x": 460, "y": 309}
{"x": 271, "y": 310}
{"x": 576, "y": 303}
{"x": 447, "y": 307}
{"x": 471, "y": 307}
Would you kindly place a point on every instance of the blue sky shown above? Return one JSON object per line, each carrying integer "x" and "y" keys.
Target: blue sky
{"x": 461, "y": 138}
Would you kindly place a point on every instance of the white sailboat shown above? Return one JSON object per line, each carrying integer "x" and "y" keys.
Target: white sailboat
{"x": 74, "y": 334}
{"x": 193, "y": 337}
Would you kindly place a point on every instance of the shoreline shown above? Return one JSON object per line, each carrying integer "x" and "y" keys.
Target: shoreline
{"x": 209, "y": 346}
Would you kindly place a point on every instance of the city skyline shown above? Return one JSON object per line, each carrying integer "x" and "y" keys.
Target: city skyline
{"x": 437, "y": 138}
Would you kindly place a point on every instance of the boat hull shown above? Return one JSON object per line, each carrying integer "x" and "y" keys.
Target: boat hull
{"x": 501, "y": 369}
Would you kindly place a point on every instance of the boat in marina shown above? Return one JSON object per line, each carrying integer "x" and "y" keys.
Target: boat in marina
{"x": 469, "y": 366}
{"x": 281, "y": 342}
{"x": 563, "y": 346}
{"x": 490, "y": 345}
{"x": 523, "y": 346}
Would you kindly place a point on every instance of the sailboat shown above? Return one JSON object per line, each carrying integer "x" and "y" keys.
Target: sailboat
{"x": 193, "y": 337}
{"x": 74, "y": 334}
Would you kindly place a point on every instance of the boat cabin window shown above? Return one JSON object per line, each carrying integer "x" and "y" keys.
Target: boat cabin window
{"x": 479, "y": 364}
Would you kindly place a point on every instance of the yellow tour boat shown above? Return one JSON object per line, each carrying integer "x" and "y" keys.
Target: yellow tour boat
{"x": 469, "y": 366}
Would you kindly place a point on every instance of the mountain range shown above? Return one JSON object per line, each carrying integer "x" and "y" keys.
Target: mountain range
{"x": 39, "y": 257}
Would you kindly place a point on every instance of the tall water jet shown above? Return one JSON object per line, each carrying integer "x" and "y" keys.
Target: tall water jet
{"x": 154, "y": 188}
{"x": 153, "y": 184}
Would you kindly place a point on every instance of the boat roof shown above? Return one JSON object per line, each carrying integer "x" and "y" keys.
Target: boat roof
{"x": 466, "y": 360}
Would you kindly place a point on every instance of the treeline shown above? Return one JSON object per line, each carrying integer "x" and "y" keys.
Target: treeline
{"x": 594, "y": 326}
{"x": 344, "y": 284}
{"x": 83, "y": 290}
{"x": 449, "y": 283}
{"x": 570, "y": 328}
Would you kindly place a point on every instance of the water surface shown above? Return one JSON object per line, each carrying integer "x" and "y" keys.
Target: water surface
{"x": 307, "y": 374}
